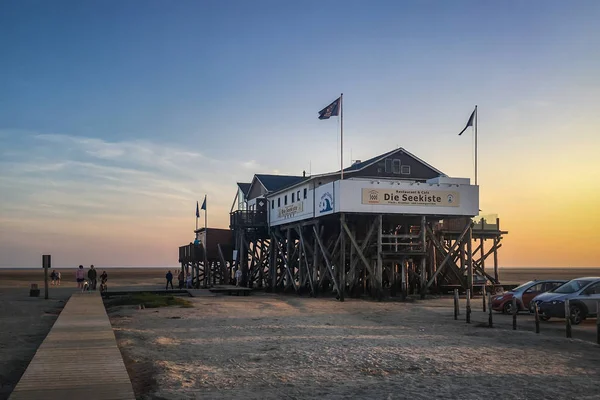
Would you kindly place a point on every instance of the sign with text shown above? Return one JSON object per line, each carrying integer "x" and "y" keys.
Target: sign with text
{"x": 406, "y": 197}
{"x": 290, "y": 211}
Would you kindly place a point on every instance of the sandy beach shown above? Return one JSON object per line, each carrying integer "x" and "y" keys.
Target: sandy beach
{"x": 270, "y": 346}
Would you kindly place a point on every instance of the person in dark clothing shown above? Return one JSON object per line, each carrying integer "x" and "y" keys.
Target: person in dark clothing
{"x": 92, "y": 277}
{"x": 169, "y": 277}
{"x": 181, "y": 278}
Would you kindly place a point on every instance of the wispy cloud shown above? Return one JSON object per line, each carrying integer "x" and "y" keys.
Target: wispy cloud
{"x": 56, "y": 175}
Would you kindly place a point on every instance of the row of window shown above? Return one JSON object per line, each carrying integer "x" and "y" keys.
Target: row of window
{"x": 394, "y": 166}
{"x": 295, "y": 197}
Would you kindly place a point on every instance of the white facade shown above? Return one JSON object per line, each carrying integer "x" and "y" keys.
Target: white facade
{"x": 448, "y": 196}
{"x": 291, "y": 205}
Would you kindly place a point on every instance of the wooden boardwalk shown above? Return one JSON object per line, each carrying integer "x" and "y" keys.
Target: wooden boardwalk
{"x": 79, "y": 359}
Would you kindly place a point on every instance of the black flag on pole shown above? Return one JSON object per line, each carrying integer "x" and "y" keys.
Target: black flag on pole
{"x": 470, "y": 123}
{"x": 331, "y": 110}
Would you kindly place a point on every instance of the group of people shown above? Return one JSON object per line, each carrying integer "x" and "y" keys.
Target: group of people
{"x": 91, "y": 282}
{"x": 55, "y": 277}
{"x": 184, "y": 280}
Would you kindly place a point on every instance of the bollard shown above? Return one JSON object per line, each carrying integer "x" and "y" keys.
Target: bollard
{"x": 490, "y": 320}
{"x": 455, "y": 304}
{"x": 468, "y": 312}
{"x": 536, "y": 313}
{"x": 483, "y": 298}
{"x": 598, "y": 322}
{"x": 514, "y": 313}
{"x": 568, "y": 318}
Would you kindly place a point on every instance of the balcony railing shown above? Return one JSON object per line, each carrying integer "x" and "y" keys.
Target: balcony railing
{"x": 248, "y": 219}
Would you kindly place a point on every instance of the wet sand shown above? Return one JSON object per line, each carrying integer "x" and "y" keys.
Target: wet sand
{"x": 152, "y": 276}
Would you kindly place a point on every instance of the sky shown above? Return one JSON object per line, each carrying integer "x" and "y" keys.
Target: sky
{"x": 117, "y": 116}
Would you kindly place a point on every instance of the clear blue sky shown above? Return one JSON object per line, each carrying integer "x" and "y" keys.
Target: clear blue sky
{"x": 103, "y": 100}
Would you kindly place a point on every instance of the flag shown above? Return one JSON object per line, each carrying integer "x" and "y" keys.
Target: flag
{"x": 331, "y": 110}
{"x": 203, "y": 204}
{"x": 469, "y": 123}
{"x": 197, "y": 211}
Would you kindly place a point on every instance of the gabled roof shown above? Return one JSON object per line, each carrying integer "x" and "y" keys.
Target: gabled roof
{"x": 277, "y": 182}
{"x": 361, "y": 165}
{"x": 244, "y": 187}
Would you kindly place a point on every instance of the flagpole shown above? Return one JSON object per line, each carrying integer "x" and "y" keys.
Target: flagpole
{"x": 342, "y": 136}
{"x": 475, "y": 145}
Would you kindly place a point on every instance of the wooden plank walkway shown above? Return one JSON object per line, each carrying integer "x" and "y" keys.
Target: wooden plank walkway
{"x": 79, "y": 359}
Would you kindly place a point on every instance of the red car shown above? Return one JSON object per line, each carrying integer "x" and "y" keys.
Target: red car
{"x": 524, "y": 294}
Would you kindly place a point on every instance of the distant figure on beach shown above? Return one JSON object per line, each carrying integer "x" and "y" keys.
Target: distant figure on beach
{"x": 92, "y": 274}
{"x": 169, "y": 277}
{"x": 80, "y": 275}
{"x": 53, "y": 278}
{"x": 189, "y": 281}
{"x": 103, "y": 279}
{"x": 180, "y": 278}
{"x": 238, "y": 277}
{"x": 58, "y": 276}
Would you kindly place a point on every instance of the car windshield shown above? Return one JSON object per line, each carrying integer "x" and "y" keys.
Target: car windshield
{"x": 572, "y": 286}
{"x": 522, "y": 286}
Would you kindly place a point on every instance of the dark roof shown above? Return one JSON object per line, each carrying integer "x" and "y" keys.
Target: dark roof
{"x": 277, "y": 182}
{"x": 244, "y": 187}
{"x": 357, "y": 166}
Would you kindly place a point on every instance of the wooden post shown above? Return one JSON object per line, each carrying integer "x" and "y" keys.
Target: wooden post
{"x": 514, "y": 313}
{"x": 470, "y": 260}
{"x": 404, "y": 283}
{"x": 568, "y": 318}
{"x": 468, "y": 306}
{"x": 455, "y": 304}
{"x": 423, "y": 282}
{"x": 536, "y": 313}
{"x": 342, "y": 264}
{"x": 496, "y": 259}
{"x": 288, "y": 256}
{"x": 483, "y": 297}
{"x": 490, "y": 320}
{"x": 46, "y": 263}
{"x": 598, "y": 321}
{"x": 379, "y": 269}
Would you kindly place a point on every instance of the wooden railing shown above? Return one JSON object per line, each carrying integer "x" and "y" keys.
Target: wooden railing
{"x": 247, "y": 219}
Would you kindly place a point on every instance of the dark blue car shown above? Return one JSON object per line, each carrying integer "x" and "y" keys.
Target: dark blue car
{"x": 582, "y": 293}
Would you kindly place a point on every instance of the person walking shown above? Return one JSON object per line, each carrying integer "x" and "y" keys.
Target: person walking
{"x": 103, "y": 279}
{"x": 181, "y": 278}
{"x": 53, "y": 277}
{"x": 92, "y": 274}
{"x": 169, "y": 277}
{"x": 58, "y": 276}
{"x": 80, "y": 276}
{"x": 238, "y": 277}
{"x": 189, "y": 281}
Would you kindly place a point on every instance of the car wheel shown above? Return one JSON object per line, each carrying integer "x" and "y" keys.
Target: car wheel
{"x": 507, "y": 309}
{"x": 576, "y": 315}
{"x": 544, "y": 318}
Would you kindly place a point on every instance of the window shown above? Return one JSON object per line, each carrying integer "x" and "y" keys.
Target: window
{"x": 405, "y": 169}
{"x": 551, "y": 285}
{"x": 305, "y": 192}
{"x": 293, "y": 197}
{"x": 285, "y": 200}
{"x": 396, "y": 165}
{"x": 272, "y": 205}
{"x": 388, "y": 165}
{"x": 279, "y": 202}
{"x": 535, "y": 288}
{"x": 298, "y": 195}
{"x": 593, "y": 289}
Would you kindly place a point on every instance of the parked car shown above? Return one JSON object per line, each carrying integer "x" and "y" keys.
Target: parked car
{"x": 583, "y": 295}
{"x": 524, "y": 294}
